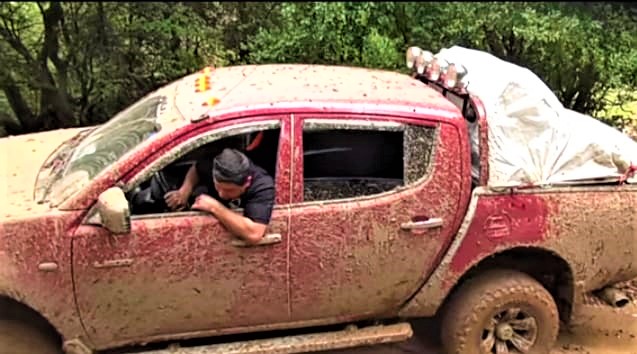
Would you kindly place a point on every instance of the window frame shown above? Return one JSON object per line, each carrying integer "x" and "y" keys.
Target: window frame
{"x": 369, "y": 123}
{"x": 189, "y": 145}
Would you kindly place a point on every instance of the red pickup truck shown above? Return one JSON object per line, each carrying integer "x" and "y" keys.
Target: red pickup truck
{"x": 378, "y": 218}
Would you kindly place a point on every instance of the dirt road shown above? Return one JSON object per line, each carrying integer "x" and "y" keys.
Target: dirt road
{"x": 601, "y": 330}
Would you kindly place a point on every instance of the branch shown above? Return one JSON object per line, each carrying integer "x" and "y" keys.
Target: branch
{"x": 53, "y": 16}
{"x": 41, "y": 8}
{"x": 18, "y": 104}
{"x": 16, "y": 43}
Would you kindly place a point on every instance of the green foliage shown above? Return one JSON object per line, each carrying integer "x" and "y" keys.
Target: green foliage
{"x": 80, "y": 63}
{"x": 340, "y": 33}
{"x": 381, "y": 52}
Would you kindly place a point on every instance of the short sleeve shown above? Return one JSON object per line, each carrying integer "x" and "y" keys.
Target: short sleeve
{"x": 258, "y": 207}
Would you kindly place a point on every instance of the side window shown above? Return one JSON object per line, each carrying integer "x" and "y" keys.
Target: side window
{"x": 353, "y": 161}
{"x": 261, "y": 145}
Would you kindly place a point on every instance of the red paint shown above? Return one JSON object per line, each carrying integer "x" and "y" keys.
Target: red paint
{"x": 630, "y": 172}
{"x": 483, "y": 126}
{"x": 284, "y": 169}
{"x": 184, "y": 276}
{"x": 337, "y": 261}
{"x": 165, "y": 140}
{"x": 297, "y": 161}
{"x": 589, "y": 227}
{"x": 257, "y": 94}
{"x": 124, "y": 170}
{"x": 350, "y": 259}
{"x": 528, "y": 215}
{"x": 26, "y": 243}
{"x": 255, "y": 143}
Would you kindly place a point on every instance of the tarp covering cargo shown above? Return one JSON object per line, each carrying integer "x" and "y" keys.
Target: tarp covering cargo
{"x": 533, "y": 139}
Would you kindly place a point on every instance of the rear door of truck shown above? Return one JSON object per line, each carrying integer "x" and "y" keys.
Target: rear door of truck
{"x": 377, "y": 201}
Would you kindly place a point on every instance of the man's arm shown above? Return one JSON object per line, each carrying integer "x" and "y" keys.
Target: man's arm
{"x": 191, "y": 180}
{"x": 179, "y": 198}
{"x": 239, "y": 225}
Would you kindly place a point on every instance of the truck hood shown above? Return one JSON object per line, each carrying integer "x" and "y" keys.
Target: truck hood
{"x": 21, "y": 158}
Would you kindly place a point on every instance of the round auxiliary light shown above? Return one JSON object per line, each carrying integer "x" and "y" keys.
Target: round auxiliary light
{"x": 412, "y": 55}
{"x": 438, "y": 66}
{"x": 461, "y": 80}
{"x": 423, "y": 61}
{"x": 454, "y": 76}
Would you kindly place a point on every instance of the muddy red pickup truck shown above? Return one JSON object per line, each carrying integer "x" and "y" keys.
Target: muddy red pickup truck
{"x": 442, "y": 193}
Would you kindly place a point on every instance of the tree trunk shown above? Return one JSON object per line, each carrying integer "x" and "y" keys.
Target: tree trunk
{"x": 8, "y": 125}
{"x": 27, "y": 120}
{"x": 55, "y": 100}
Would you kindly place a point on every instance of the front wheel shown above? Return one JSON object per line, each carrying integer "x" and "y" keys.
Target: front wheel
{"x": 500, "y": 312}
{"x": 16, "y": 337}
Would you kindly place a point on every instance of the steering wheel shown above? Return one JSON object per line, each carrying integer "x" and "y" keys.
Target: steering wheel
{"x": 159, "y": 186}
{"x": 151, "y": 199}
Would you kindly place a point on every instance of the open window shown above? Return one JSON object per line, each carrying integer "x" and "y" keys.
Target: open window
{"x": 146, "y": 192}
{"x": 354, "y": 160}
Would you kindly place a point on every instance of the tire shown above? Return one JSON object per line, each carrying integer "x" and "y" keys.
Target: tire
{"x": 505, "y": 297}
{"x": 16, "y": 337}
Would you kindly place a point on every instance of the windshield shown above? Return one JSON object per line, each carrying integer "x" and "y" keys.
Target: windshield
{"x": 107, "y": 144}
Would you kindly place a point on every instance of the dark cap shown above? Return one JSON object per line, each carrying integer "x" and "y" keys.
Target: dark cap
{"x": 231, "y": 166}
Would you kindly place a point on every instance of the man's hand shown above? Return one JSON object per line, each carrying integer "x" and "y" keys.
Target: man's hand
{"x": 176, "y": 199}
{"x": 236, "y": 223}
{"x": 206, "y": 203}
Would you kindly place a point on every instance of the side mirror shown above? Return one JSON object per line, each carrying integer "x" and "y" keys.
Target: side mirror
{"x": 112, "y": 207}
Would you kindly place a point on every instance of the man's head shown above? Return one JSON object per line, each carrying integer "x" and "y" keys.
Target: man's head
{"x": 231, "y": 174}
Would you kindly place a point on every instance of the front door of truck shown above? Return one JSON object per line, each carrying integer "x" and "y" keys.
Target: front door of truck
{"x": 182, "y": 272}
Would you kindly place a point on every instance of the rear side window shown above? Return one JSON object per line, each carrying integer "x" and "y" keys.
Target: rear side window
{"x": 347, "y": 162}
{"x": 353, "y": 154}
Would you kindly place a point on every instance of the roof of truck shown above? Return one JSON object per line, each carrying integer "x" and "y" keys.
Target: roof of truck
{"x": 286, "y": 87}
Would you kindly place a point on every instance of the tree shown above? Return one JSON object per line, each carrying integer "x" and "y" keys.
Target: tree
{"x": 51, "y": 83}
{"x": 76, "y": 64}
{"x": 581, "y": 51}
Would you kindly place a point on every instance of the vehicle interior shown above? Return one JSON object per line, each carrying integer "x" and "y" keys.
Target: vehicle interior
{"x": 351, "y": 163}
{"x": 338, "y": 163}
{"x": 148, "y": 198}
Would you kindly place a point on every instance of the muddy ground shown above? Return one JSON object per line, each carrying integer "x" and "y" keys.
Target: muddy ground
{"x": 422, "y": 343}
{"x": 604, "y": 330}
{"x": 600, "y": 330}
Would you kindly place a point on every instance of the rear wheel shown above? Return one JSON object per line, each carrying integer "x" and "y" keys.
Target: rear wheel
{"x": 500, "y": 312}
{"x": 16, "y": 337}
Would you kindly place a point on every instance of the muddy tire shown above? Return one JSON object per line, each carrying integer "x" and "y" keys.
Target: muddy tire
{"x": 18, "y": 338}
{"x": 500, "y": 312}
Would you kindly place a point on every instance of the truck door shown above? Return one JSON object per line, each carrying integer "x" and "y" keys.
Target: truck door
{"x": 378, "y": 201}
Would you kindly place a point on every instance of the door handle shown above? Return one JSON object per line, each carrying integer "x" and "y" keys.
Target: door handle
{"x": 419, "y": 225}
{"x": 266, "y": 240}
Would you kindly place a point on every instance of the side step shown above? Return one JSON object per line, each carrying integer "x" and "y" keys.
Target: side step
{"x": 314, "y": 342}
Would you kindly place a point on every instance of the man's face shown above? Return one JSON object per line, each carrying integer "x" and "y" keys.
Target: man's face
{"x": 230, "y": 191}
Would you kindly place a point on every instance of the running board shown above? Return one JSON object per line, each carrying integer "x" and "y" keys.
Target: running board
{"x": 314, "y": 342}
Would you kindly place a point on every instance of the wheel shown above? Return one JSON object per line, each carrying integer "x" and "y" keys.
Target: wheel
{"x": 19, "y": 338}
{"x": 500, "y": 312}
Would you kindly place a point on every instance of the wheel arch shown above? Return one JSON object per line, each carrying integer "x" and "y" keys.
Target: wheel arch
{"x": 545, "y": 266}
{"x": 13, "y": 309}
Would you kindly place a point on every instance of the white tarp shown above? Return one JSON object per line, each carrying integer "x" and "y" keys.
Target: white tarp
{"x": 533, "y": 139}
